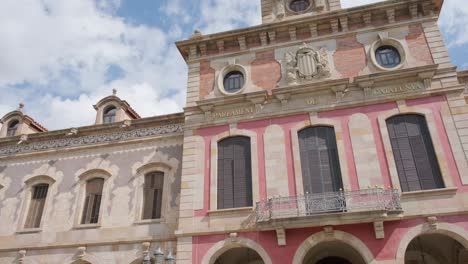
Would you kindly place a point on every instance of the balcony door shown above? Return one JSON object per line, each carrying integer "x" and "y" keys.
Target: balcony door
{"x": 321, "y": 171}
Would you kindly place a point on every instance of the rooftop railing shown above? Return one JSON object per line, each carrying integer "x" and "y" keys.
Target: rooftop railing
{"x": 328, "y": 203}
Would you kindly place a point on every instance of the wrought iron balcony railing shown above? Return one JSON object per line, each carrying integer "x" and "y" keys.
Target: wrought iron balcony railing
{"x": 328, "y": 203}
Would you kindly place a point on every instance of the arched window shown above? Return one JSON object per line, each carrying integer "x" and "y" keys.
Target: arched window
{"x": 319, "y": 160}
{"x": 153, "y": 191}
{"x": 12, "y": 128}
{"x": 109, "y": 114}
{"x": 414, "y": 153}
{"x": 92, "y": 203}
{"x": 234, "y": 173}
{"x": 36, "y": 206}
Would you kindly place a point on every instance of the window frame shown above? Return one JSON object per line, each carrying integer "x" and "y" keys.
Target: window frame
{"x": 213, "y": 205}
{"x": 155, "y": 174}
{"x": 309, "y": 6}
{"x": 86, "y": 205}
{"x": 9, "y": 129}
{"x": 30, "y": 183}
{"x": 436, "y": 141}
{"x": 387, "y": 41}
{"x": 379, "y": 53}
{"x": 139, "y": 184}
{"x": 79, "y": 209}
{"x": 105, "y": 114}
{"x": 427, "y": 140}
{"x": 232, "y": 68}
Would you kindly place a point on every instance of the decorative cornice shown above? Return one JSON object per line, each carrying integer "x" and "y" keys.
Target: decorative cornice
{"x": 71, "y": 142}
{"x": 264, "y": 36}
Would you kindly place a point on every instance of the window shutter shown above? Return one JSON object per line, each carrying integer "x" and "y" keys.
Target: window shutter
{"x": 153, "y": 190}
{"x": 414, "y": 153}
{"x": 234, "y": 173}
{"x": 93, "y": 199}
{"x": 36, "y": 207}
{"x": 319, "y": 160}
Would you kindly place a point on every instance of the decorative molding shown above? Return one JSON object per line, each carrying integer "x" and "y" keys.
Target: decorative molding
{"x": 379, "y": 230}
{"x": 90, "y": 140}
{"x": 281, "y": 236}
{"x": 328, "y": 231}
{"x": 306, "y": 64}
{"x": 21, "y": 256}
{"x": 432, "y": 222}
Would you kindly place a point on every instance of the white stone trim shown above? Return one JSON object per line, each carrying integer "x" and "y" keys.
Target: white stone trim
{"x": 231, "y": 68}
{"x": 453, "y": 231}
{"x": 240, "y": 242}
{"x": 214, "y": 164}
{"x": 46, "y": 174}
{"x": 435, "y": 137}
{"x": 335, "y": 235}
{"x": 98, "y": 168}
{"x": 156, "y": 161}
{"x": 313, "y": 122}
{"x": 387, "y": 42}
{"x": 87, "y": 258}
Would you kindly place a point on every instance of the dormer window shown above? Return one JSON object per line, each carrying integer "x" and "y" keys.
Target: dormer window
{"x": 299, "y": 5}
{"x": 109, "y": 115}
{"x": 12, "y": 128}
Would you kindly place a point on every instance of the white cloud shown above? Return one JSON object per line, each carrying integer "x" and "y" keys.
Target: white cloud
{"x": 454, "y": 22}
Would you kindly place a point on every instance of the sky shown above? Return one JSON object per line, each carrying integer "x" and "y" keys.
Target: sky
{"x": 60, "y": 57}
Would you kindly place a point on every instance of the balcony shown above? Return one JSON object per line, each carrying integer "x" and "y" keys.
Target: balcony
{"x": 342, "y": 202}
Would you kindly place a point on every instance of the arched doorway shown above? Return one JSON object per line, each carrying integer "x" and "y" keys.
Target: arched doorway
{"x": 240, "y": 256}
{"x": 333, "y": 252}
{"x": 435, "y": 249}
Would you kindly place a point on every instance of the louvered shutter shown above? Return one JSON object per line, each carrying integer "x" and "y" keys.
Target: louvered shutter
{"x": 92, "y": 203}
{"x": 234, "y": 173}
{"x": 36, "y": 207}
{"x": 414, "y": 153}
{"x": 153, "y": 190}
{"x": 319, "y": 160}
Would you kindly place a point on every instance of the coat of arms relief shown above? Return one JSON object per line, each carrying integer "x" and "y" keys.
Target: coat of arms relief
{"x": 306, "y": 64}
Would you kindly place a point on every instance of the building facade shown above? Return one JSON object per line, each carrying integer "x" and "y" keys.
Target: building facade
{"x": 107, "y": 193}
{"x": 322, "y": 136}
{"x": 325, "y": 135}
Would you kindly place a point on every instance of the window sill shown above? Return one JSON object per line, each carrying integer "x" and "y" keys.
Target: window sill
{"x": 239, "y": 210}
{"x": 149, "y": 221}
{"x": 429, "y": 193}
{"x": 88, "y": 226}
{"x": 29, "y": 231}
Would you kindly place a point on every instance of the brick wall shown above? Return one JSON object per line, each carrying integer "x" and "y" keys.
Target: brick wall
{"x": 350, "y": 56}
{"x": 266, "y": 70}
{"x": 207, "y": 79}
{"x": 418, "y": 45}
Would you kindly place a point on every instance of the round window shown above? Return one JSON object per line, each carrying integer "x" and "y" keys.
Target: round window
{"x": 233, "y": 82}
{"x": 388, "y": 57}
{"x": 299, "y": 5}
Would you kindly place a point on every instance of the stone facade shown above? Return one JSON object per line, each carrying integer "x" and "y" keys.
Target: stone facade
{"x": 313, "y": 68}
{"x": 347, "y": 89}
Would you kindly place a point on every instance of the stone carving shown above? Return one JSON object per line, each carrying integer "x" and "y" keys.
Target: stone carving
{"x": 279, "y": 9}
{"x": 306, "y": 64}
{"x": 89, "y": 140}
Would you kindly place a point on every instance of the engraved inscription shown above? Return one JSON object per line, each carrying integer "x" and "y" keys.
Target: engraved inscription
{"x": 409, "y": 87}
{"x": 234, "y": 112}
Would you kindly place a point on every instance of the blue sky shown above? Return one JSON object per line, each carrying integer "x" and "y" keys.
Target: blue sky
{"x": 60, "y": 57}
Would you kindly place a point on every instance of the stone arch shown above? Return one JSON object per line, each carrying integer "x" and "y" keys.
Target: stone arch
{"x": 233, "y": 132}
{"x": 223, "y": 246}
{"x": 451, "y": 230}
{"x": 340, "y": 236}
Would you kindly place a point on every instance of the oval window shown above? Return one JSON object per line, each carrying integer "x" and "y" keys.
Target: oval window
{"x": 233, "y": 81}
{"x": 299, "y": 5}
{"x": 388, "y": 57}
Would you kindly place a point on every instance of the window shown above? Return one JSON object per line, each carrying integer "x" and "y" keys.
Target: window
{"x": 12, "y": 128}
{"x": 319, "y": 160}
{"x": 234, "y": 173}
{"x": 299, "y": 5}
{"x": 153, "y": 191}
{"x": 36, "y": 207}
{"x": 388, "y": 57}
{"x": 233, "y": 81}
{"x": 92, "y": 203}
{"x": 109, "y": 115}
{"x": 414, "y": 153}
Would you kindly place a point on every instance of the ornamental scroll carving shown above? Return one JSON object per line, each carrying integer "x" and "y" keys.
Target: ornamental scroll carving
{"x": 90, "y": 140}
{"x": 306, "y": 64}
